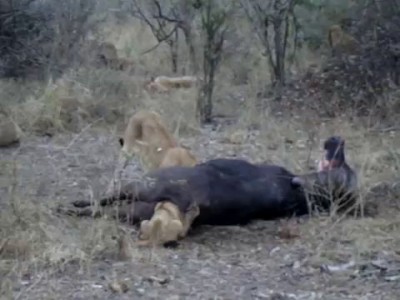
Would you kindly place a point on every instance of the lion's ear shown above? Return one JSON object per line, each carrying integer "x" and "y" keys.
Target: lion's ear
{"x": 159, "y": 205}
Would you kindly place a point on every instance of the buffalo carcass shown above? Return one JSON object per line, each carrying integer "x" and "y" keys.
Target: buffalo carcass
{"x": 227, "y": 191}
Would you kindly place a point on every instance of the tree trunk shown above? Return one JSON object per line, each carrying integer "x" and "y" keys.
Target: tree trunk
{"x": 187, "y": 32}
{"x": 173, "y": 46}
{"x": 279, "y": 51}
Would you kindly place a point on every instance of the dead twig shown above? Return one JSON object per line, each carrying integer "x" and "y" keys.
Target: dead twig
{"x": 80, "y": 133}
{"x": 165, "y": 38}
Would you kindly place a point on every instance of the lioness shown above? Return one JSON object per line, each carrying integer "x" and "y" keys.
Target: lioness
{"x": 178, "y": 156}
{"x": 147, "y": 137}
{"x": 164, "y": 84}
{"x": 168, "y": 224}
{"x": 341, "y": 42}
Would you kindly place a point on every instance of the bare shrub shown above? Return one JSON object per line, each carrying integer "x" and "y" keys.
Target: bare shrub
{"x": 361, "y": 81}
{"x": 272, "y": 17}
{"x": 213, "y": 20}
{"x": 42, "y": 37}
{"x": 23, "y": 28}
{"x": 164, "y": 30}
{"x": 166, "y": 19}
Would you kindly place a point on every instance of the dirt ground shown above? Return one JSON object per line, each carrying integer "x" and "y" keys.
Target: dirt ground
{"x": 250, "y": 262}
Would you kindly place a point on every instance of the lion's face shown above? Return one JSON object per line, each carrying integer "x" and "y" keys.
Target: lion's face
{"x": 147, "y": 138}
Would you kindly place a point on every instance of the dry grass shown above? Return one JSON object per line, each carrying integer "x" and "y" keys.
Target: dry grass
{"x": 36, "y": 242}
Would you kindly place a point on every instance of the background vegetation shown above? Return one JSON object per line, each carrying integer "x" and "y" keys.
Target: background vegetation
{"x": 268, "y": 79}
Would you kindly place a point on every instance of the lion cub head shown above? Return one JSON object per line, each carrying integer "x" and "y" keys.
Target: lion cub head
{"x": 168, "y": 224}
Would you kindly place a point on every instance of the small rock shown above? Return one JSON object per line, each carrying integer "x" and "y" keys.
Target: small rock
{"x": 274, "y": 250}
{"x": 296, "y": 265}
{"x": 119, "y": 287}
{"x": 9, "y": 133}
{"x": 392, "y": 278}
{"x": 301, "y": 144}
{"x": 161, "y": 281}
{"x": 337, "y": 268}
{"x": 279, "y": 296}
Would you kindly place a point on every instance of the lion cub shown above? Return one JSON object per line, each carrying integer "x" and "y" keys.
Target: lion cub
{"x": 167, "y": 224}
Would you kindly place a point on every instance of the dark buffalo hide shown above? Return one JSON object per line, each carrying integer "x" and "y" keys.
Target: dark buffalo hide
{"x": 228, "y": 192}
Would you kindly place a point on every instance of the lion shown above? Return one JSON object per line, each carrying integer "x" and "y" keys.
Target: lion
{"x": 106, "y": 53}
{"x": 168, "y": 224}
{"x": 10, "y": 133}
{"x": 341, "y": 42}
{"x": 147, "y": 137}
{"x": 164, "y": 84}
{"x": 178, "y": 156}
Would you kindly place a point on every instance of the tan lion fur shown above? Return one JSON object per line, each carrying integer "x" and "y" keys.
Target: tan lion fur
{"x": 107, "y": 56}
{"x": 162, "y": 84}
{"x": 147, "y": 137}
{"x": 167, "y": 224}
{"x": 178, "y": 156}
{"x": 341, "y": 42}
